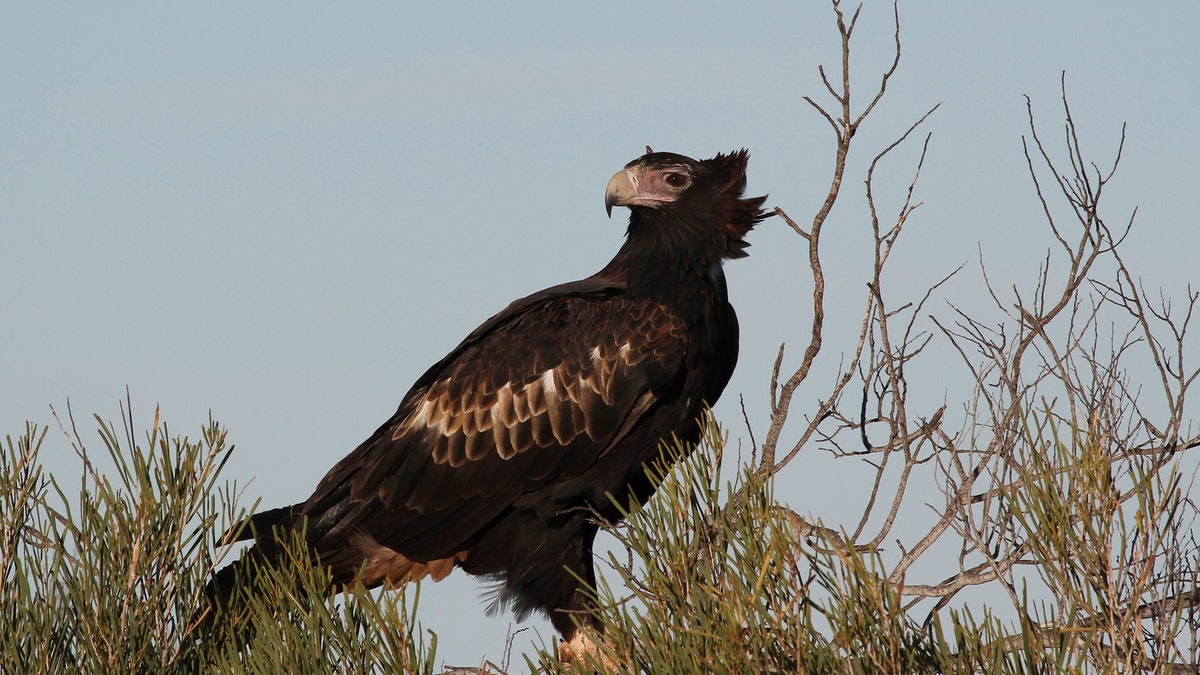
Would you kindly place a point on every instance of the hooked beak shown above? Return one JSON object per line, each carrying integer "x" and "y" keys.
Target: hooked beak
{"x": 621, "y": 191}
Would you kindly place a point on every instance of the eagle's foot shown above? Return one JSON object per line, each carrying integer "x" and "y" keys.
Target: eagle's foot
{"x": 581, "y": 651}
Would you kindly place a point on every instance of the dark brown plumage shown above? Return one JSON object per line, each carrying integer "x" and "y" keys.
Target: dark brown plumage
{"x": 500, "y": 455}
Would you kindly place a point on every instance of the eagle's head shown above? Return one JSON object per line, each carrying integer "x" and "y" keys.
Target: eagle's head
{"x": 664, "y": 190}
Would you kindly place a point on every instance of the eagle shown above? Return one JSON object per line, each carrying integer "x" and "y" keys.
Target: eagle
{"x": 505, "y": 456}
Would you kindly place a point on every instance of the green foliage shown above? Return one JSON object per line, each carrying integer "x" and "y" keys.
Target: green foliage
{"x": 110, "y": 578}
{"x": 719, "y": 581}
{"x": 1107, "y": 534}
{"x": 720, "y": 576}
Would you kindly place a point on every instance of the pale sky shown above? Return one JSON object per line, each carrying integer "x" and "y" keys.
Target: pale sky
{"x": 283, "y": 214}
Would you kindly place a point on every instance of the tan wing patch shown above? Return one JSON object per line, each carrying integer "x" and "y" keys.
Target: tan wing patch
{"x": 477, "y": 409}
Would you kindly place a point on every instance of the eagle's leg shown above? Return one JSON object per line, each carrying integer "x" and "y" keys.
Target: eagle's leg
{"x": 579, "y": 613}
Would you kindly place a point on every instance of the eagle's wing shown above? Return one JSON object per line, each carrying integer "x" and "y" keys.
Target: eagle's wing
{"x": 539, "y": 393}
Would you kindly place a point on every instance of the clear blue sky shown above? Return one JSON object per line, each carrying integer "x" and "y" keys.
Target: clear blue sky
{"x": 283, "y": 213}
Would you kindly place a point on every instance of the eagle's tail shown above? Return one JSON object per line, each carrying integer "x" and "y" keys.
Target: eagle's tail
{"x": 229, "y": 587}
{"x": 281, "y": 538}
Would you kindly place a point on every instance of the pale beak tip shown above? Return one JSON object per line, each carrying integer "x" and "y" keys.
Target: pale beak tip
{"x": 620, "y": 191}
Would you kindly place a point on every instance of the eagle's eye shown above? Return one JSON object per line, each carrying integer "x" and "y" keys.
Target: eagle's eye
{"x": 675, "y": 179}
